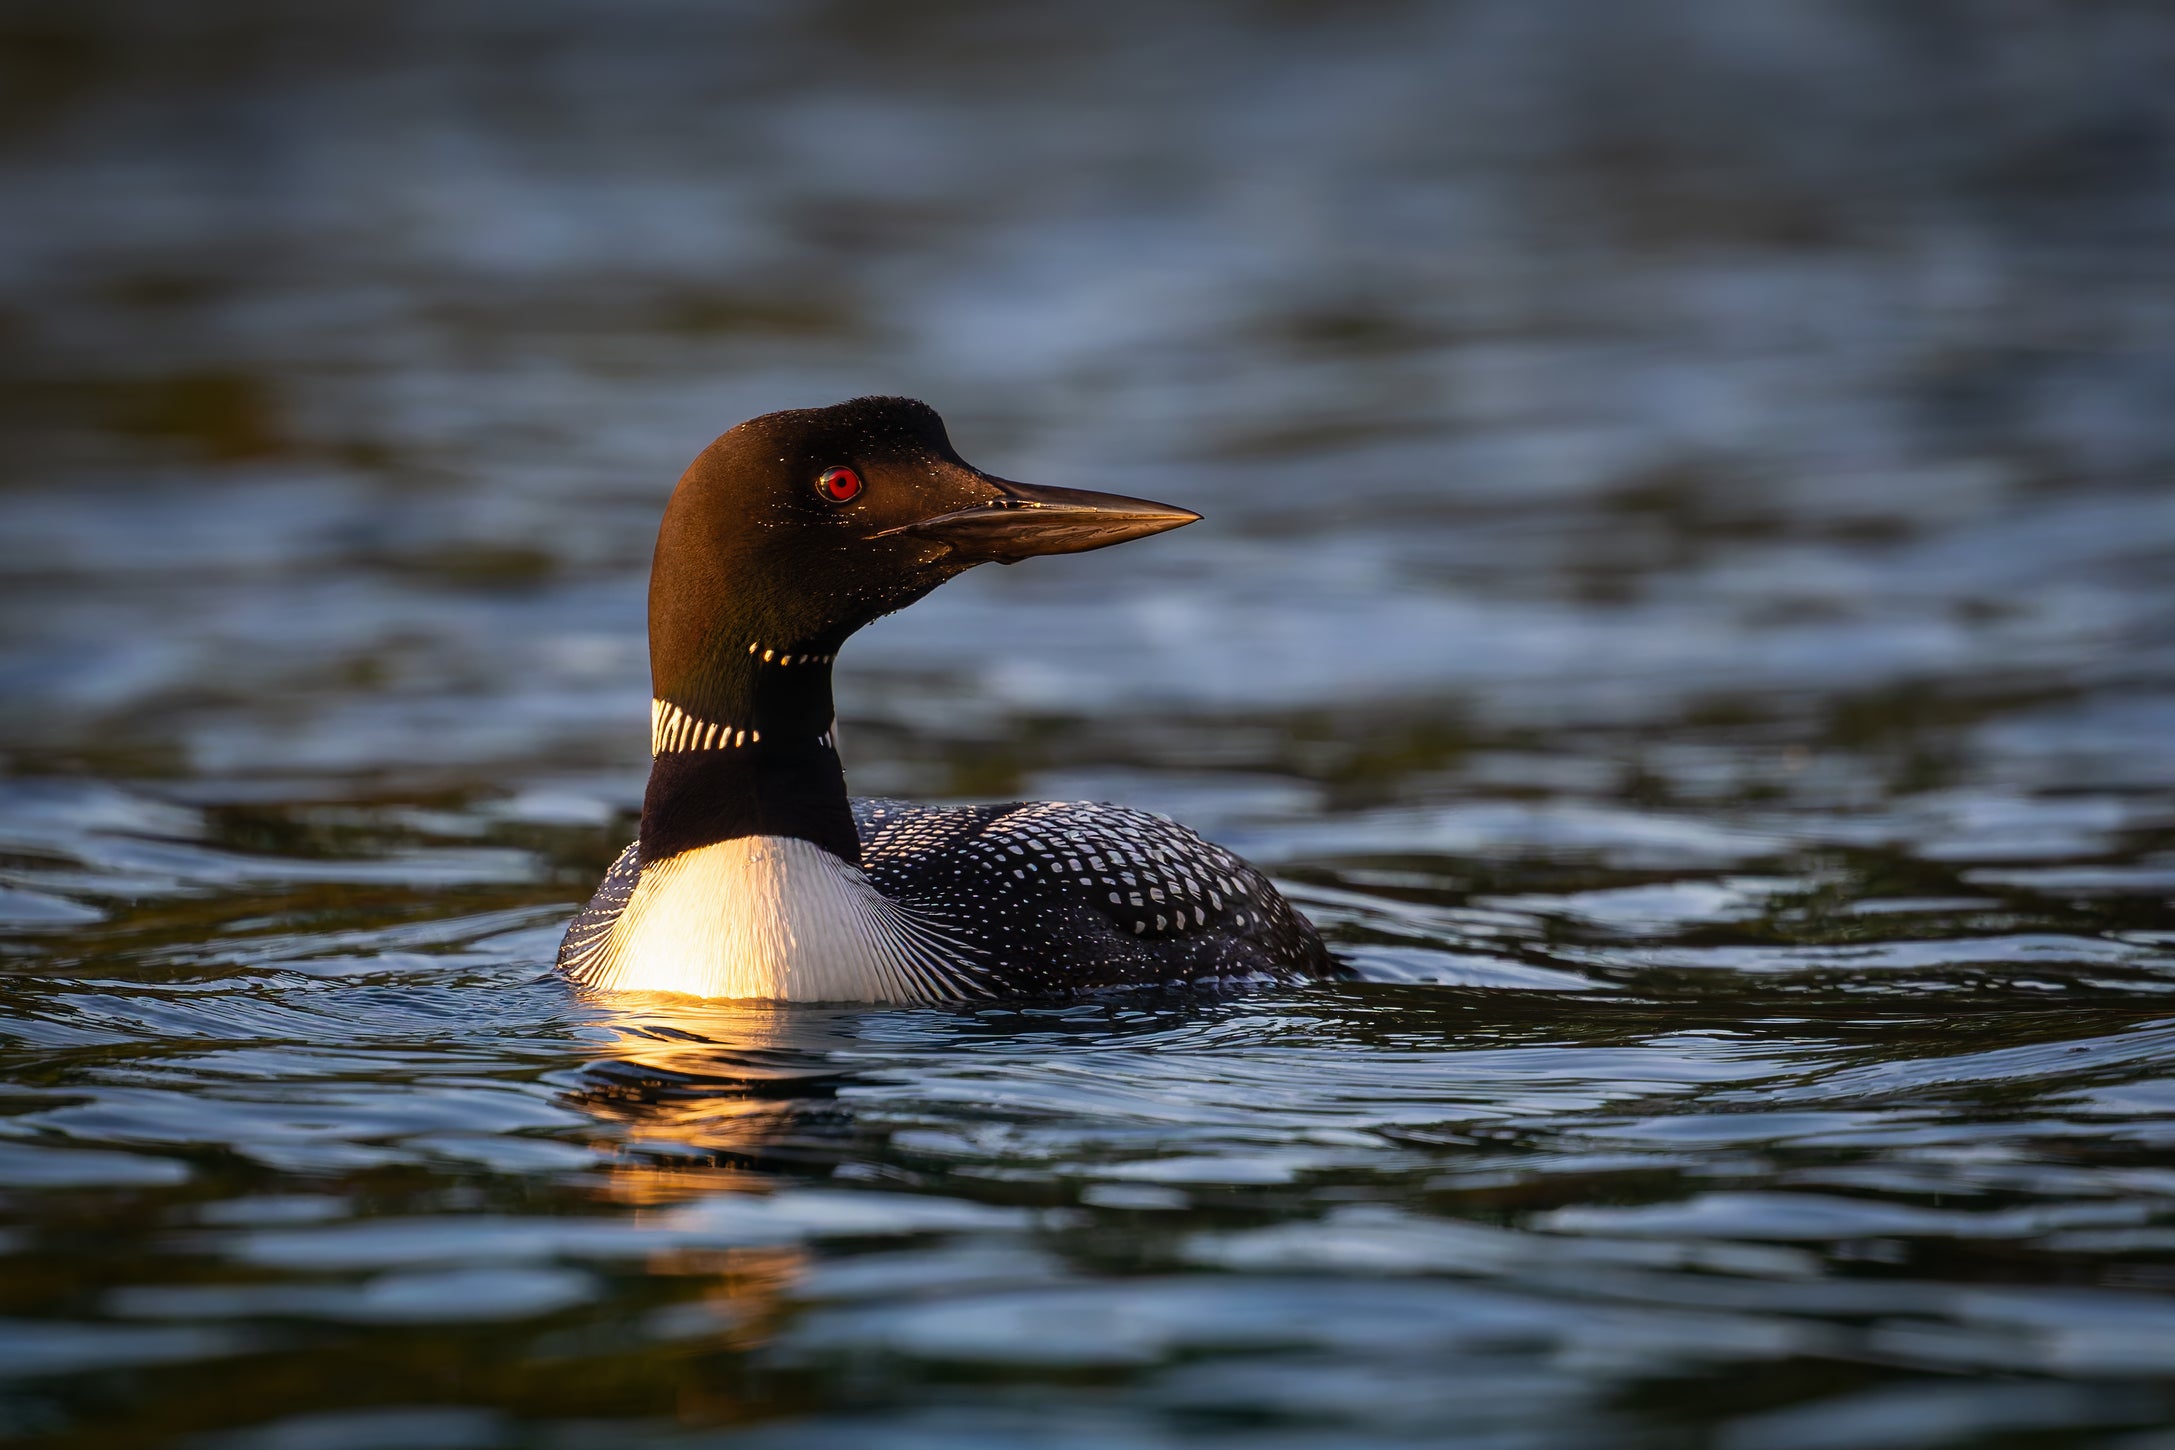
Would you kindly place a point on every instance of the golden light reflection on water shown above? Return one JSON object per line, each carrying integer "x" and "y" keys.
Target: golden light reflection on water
{"x": 682, "y": 1075}
{"x": 639, "y": 1184}
{"x": 743, "y": 1290}
{"x": 681, "y": 1079}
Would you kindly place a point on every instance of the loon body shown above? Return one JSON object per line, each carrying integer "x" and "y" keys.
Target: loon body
{"x": 754, "y": 874}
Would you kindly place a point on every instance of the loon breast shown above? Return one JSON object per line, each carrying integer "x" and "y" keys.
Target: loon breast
{"x": 762, "y": 917}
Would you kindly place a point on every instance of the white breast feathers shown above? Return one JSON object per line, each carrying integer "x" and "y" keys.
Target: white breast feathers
{"x": 779, "y": 918}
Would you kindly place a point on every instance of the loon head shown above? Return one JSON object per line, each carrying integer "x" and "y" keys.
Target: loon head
{"x": 795, "y": 529}
{"x": 785, "y": 536}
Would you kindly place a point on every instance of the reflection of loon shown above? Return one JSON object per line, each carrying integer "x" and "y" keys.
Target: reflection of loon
{"x": 754, "y": 876}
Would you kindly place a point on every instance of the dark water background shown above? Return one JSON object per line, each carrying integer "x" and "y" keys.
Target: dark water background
{"x": 1687, "y": 602}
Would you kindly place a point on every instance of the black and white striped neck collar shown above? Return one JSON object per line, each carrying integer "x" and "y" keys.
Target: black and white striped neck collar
{"x": 674, "y": 729}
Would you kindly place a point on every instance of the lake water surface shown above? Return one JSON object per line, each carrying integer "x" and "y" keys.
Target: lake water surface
{"x": 1686, "y": 602}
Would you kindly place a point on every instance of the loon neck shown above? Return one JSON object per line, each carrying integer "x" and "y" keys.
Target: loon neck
{"x": 741, "y": 691}
{"x": 746, "y": 748}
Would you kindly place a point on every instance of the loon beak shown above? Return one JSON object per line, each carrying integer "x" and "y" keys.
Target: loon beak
{"x": 1027, "y": 519}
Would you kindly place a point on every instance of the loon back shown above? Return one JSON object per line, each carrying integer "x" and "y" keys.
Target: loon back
{"x": 755, "y": 876}
{"x": 1040, "y": 898}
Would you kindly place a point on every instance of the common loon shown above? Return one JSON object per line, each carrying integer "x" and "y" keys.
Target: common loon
{"x": 755, "y": 876}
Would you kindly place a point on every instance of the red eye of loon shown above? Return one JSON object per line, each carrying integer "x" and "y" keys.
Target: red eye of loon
{"x": 839, "y": 485}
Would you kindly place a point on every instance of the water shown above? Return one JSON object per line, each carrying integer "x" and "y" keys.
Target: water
{"x": 1687, "y": 602}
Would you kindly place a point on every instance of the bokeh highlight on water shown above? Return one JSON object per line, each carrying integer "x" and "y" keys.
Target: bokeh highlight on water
{"x": 1685, "y": 602}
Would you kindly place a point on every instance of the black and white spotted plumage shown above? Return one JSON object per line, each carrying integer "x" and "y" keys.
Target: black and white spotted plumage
{"x": 1067, "y": 896}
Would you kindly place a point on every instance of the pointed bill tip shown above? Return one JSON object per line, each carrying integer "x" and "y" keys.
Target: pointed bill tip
{"x": 1028, "y": 520}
